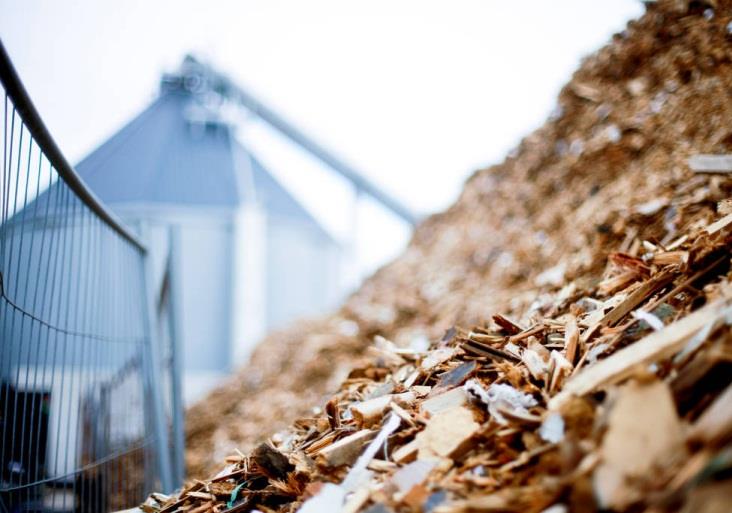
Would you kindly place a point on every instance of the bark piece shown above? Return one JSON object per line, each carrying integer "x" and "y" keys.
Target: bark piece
{"x": 481, "y": 349}
{"x": 272, "y": 462}
{"x": 456, "y": 376}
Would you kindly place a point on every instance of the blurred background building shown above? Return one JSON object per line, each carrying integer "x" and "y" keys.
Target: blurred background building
{"x": 247, "y": 257}
{"x": 259, "y": 224}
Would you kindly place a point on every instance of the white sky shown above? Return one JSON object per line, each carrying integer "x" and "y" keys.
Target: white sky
{"x": 416, "y": 94}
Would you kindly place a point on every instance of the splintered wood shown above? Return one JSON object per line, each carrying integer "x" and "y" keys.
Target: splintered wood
{"x": 519, "y": 417}
{"x": 559, "y": 340}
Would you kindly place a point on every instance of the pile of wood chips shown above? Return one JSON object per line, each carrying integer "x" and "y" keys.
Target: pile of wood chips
{"x": 557, "y": 341}
{"x": 614, "y": 397}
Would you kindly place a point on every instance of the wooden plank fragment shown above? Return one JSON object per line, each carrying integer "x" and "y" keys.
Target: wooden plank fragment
{"x": 657, "y": 345}
{"x": 436, "y": 357}
{"x": 538, "y": 368}
{"x": 441, "y": 402}
{"x": 571, "y": 338}
{"x": 367, "y": 413}
{"x": 719, "y": 225}
{"x": 586, "y": 91}
{"x": 636, "y": 298}
{"x": 402, "y": 414}
{"x": 406, "y": 453}
{"x": 201, "y": 495}
{"x": 346, "y": 450}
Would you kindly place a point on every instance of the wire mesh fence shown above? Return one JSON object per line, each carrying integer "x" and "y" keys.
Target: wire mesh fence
{"x": 82, "y": 419}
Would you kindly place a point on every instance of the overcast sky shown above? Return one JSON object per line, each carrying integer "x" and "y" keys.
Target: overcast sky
{"x": 416, "y": 94}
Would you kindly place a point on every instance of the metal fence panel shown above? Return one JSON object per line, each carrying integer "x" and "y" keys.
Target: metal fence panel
{"x": 81, "y": 420}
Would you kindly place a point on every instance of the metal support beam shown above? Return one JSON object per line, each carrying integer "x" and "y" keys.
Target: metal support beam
{"x": 175, "y": 274}
{"x": 229, "y": 89}
{"x": 152, "y": 366}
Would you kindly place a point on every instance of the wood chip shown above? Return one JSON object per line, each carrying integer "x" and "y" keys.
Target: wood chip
{"x": 346, "y": 450}
{"x": 445, "y": 401}
{"x": 719, "y": 225}
{"x": 643, "y": 420}
{"x": 447, "y": 434}
{"x": 368, "y": 413}
{"x": 656, "y": 346}
{"x": 715, "y": 424}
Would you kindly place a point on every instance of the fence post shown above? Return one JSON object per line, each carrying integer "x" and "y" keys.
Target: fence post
{"x": 176, "y": 314}
{"x": 152, "y": 368}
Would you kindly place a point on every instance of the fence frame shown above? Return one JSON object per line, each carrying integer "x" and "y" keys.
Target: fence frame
{"x": 24, "y": 107}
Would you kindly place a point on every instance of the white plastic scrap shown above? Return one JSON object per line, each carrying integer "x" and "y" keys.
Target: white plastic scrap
{"x": 552, "y": 276}
{"x": 535, "y": 363}
{"x": 552, "y": 429}
{"x": 354, "y": 475}
{"x": 419, "y": 343}
{"x": 596, "y": 351}
{"x": 348, "y": 328}
{"x": 330, "y": 498}
{"x": 649, "y": 318}
{"x": 612, "y": 132}
{"x": 413, "y": 474}
{"x": 500, "y": 396}
{"x": 576, "y": 147}
{"x": 658, "y": 101}
{"x": 557, "y": 508}
{"x": 513, "y": 349}
{"x": 651, "y": 207}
